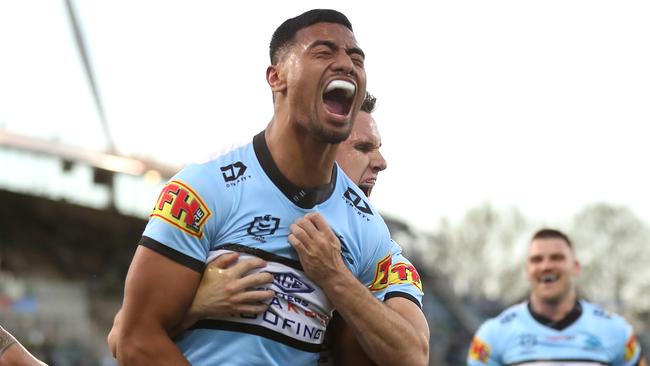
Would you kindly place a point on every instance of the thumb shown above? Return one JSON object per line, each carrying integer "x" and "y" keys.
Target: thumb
{"x": 224, "y": 261}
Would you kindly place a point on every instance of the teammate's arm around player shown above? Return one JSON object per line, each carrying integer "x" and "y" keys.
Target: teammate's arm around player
{"x": 395, "y": 333}
{"x": 224, "y": 289}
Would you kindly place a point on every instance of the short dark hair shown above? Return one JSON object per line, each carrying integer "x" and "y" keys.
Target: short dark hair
{"x": 552, "y": 234}
{"x": 283, "y": 36}
{"x": 369, "y": 102}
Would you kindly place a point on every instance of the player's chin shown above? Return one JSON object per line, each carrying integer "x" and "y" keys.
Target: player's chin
{"x": 367, "y": 189}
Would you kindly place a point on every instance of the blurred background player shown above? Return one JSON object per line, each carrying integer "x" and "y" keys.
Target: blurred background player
{"x": 554, "y": 326}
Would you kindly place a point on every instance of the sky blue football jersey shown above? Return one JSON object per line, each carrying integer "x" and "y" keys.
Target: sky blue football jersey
{"x": 587, "y": 336}
{"x": 240, "y": 202}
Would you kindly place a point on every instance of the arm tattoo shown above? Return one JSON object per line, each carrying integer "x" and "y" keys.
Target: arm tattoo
{"x": 6, "y": 340}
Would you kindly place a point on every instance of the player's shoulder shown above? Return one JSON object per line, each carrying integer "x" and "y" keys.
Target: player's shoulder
{"x": 506, "y": 318}
{"x": 598, "y": 315}
{"x": 228, "y": 165}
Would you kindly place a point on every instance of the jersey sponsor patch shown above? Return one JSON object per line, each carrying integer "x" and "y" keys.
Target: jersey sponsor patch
{"x": 630, "y": 347}
{"x": 297, "y": 315}
{"x": 404, "y": 273}
{"x": 479, "y": 350}
{"x": 382, "y": 274}
{"x": 181, "y": 206}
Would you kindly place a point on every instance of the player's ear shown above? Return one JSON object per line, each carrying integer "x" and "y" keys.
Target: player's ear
{"x": 275, "y": 78}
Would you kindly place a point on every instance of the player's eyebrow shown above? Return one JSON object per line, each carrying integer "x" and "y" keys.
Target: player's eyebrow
{"x": 333, "y": 46}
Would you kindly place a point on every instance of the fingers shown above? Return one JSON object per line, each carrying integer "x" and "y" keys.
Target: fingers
{"x": 256, "y": 280}
{"x": 247, "y": 265}
{"x": 296, "y": 243}
{"x": 223, "y": 261}
{"x": 255, "y": 296}
{"x": 317, "y": 220}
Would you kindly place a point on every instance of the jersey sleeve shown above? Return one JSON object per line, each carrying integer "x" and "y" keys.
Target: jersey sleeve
{"x": 375, "y": 271}
{"x": 403, "y": 278}
{"x": 628, "y": 352}
{"x": 183, "y": 218}
{"x": 484, "y": 348}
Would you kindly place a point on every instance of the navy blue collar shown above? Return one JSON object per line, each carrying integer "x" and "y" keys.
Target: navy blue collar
{"x": 302, "y": 197}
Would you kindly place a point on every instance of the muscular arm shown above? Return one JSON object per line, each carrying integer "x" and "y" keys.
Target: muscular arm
{"x": 157, "y": 294}
{"x": 225, "y": 288}
{"x": 347, "y": 351}
{"x": 394, "y": 333}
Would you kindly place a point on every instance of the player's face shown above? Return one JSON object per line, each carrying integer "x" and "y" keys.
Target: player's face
{"x": 551, "y": 269}
{"x": 325, "y": 80}
{"x": 359, "y": 155}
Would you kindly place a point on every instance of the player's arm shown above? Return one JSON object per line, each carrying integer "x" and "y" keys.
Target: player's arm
{"x": 392, "y": 333}
{"x": 157, "y": 294}
{"x": 12, "y": 353}
{"x": 224, "y": 289}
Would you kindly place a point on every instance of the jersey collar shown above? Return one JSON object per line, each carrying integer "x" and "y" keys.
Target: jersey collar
{"x": 301, "y": 197}
{"x": 569, "y": 319}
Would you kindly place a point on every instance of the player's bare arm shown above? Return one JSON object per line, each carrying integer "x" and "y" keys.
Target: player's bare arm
{"x": 402, "y": 337}
{"x": 224, "y": 289}
{"x": 157, "y": 294}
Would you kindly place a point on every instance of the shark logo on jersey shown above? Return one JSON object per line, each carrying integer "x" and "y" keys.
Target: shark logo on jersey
{"x": 290, "y": 283}
{"x": 262, "y": 226}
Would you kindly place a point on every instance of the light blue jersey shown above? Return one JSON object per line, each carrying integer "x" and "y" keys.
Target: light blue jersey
{"x": 587, "y": 336}
{"x": 240, "y": 202}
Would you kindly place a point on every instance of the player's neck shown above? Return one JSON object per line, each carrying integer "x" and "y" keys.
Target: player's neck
{"x": 301, "y": 159}
{"x": 554, "y": 310}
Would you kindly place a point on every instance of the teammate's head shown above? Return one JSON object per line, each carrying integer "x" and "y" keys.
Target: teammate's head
{"x": 359, "y": 155}
{"x": 317, "y": 75}
{"x": 551, "y": 267}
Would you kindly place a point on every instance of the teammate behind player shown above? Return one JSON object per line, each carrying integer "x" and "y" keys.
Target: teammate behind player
{"x": 554, "y": 327}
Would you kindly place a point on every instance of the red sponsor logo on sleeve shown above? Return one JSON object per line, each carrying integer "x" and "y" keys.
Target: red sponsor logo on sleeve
{"x": 479, "y": 350}
{"x": 181, "y": 206}
{"x": 404, "y": 273}
{"x": 382, "y": 274}
{"x": 630, "y": 347}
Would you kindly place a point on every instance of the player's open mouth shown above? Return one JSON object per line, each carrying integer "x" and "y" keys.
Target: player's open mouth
{"x": 548, "y": 278}
{"x": 338, "y": 97}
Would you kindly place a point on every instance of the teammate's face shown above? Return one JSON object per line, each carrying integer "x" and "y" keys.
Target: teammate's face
{"x": 551, "y": 269}
{"x": 359, "y": 155}
{"x": 325, "y": 80}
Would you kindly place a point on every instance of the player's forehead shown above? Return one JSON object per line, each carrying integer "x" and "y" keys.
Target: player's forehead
{"x": 332, "y": 33}
{"x": 548, "y": 246}
{"x": 365, "y": 129}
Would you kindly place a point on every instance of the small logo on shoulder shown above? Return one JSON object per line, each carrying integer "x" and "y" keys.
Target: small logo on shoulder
{"x": 262, "y": 226}
{"x": 355, "y": 200}
{"x": 233, "y": 174}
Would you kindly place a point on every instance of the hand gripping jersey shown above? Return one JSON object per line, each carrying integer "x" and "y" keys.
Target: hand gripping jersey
{"x": 587, "y": 336}
{"x": 240, "y": 202}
